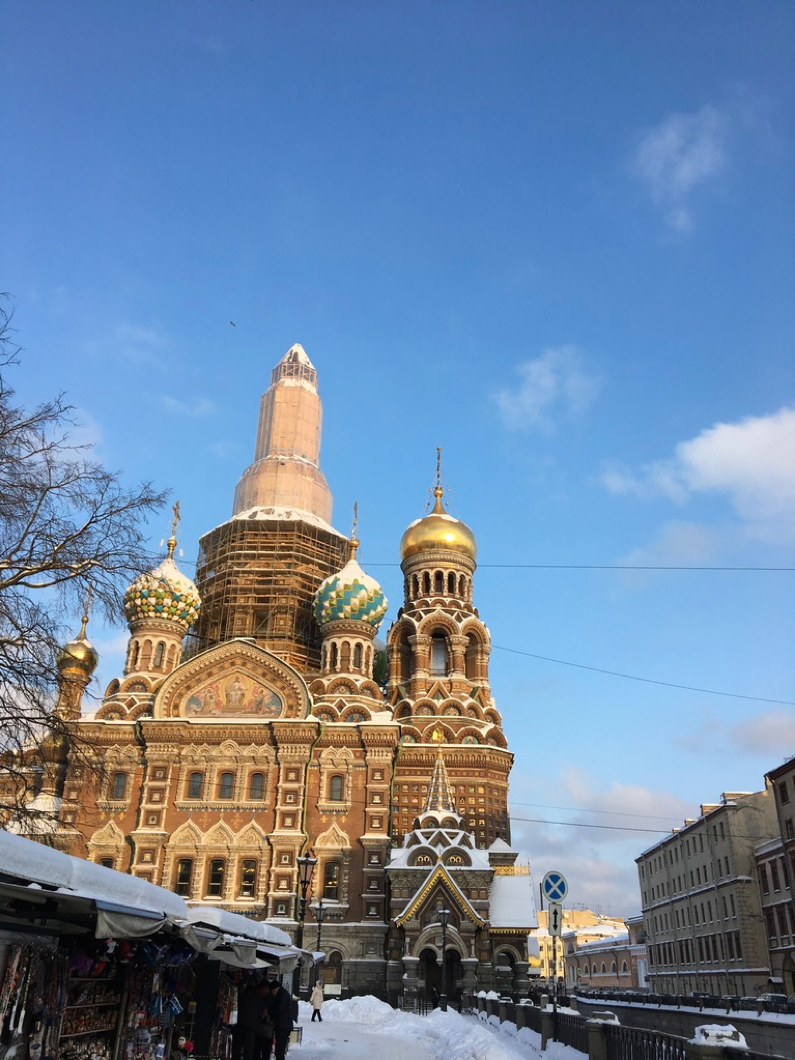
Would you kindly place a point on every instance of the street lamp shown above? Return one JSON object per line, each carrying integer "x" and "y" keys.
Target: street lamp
{"x": 306, "y": 867}
{"x": 320, "y": 914}
{"x": 444, "y": 915}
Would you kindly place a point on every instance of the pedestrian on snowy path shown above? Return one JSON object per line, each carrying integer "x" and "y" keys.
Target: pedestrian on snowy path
{"x": 280, "y": 1011}
{"x": 316, "y": 999}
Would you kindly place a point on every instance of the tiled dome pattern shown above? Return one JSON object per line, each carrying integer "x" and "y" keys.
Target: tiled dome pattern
{"x": 351, "y": 594}
{"x": 165, "y": 593}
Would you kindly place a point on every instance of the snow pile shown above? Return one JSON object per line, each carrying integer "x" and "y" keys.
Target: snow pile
{"x": 717, "y": 1034}
{"x": 362, "y": 1026}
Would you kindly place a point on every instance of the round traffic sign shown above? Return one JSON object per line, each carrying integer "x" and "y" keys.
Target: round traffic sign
{"x": 554, "y": 886}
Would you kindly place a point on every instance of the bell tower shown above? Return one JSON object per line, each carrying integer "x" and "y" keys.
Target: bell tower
{"x": 439, "y": 675}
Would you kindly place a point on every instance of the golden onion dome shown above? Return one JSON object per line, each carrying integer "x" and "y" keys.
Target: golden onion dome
{"x": 78, "y": 654}
{"x": 438, "y": 532}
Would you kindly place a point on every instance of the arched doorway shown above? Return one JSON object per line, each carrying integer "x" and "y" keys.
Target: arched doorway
{"x": 431, "y": 975}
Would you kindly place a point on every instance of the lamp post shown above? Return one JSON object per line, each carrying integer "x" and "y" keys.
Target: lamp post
{"x": 444, "y": 916}
{"x": 306, "y": 867}
{"x": 320, "y": 914}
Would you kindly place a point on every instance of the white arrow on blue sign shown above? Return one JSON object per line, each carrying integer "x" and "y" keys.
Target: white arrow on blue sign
{"x": 554, "y": 886}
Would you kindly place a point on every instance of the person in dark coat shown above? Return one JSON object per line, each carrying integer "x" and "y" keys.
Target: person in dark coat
{"x": 280, "y": 1010}
{"x": 250, "y": 1006}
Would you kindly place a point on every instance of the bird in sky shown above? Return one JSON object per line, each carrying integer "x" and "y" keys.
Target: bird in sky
{"x": 234, "y": 325}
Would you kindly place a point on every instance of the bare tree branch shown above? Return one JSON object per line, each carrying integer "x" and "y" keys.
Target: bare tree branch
{"x": 66, "y": 523}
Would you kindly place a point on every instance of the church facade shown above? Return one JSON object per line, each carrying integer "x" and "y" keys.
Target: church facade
{"x": 257, "y": 718}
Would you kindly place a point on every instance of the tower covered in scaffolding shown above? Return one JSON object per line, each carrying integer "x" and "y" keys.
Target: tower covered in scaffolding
{"x": 257, "y": 572}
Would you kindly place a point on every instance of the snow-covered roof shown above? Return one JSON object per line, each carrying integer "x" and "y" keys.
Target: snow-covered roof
{"x": 286, "y": 515}
{"x": 42, "y": 866}
{"x": 237, "y": 925}
{"x": 511, "y": 902}
{"x": 399, "y": 856}
{"x": 499, "y": 846}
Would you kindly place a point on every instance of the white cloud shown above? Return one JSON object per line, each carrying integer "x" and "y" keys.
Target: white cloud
{"x": 551, "y": 387}
{"x": 130, "y": 342}
{"x": 678, "y": 155}
{"x": 192, "y": 407}
{"x": 593, "y": 836}
{"x": 750, "y": 462}
{"x": 770, "y": 734}
{"x": 677, "y": 543}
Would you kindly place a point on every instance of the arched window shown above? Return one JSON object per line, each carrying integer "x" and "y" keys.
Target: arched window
{"x": 439, "y": 655}
{"x": 624, "y": 968}
{"x": 256, "y": 786}
{"x": 438, "y": 582}
{"x": 334, "y": 656}
{"x": 613, "y": 967}
{"x": 593, "y": 969}
{"x": 462, "y": 586}
{"x": 585, "y": 969}
{"x": 215, "y": 877}
{"x": 226, "y": 785}
{"x": 331, "y": 880}
{"x": 136, "y": 652}
{"x": 336, "y": 787}
{"x": 119, "y": 785}
{"x": 471, "y": 658}
{"x": 426, "y": 582}
{"x": 160, "y": 651}
{"x": 195, "y": 785}
{"x": 183, "y": 876}
{"x": 604, "y": 968}
{"x": 357, "y": 657}
{"x": 415, "y": 586}
{"x": 451, "y": 584}
{"x": 248, "y": 879}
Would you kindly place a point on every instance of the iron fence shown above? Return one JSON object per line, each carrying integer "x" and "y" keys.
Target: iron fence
{"x": 632, "y": 1043}
{"x": 572, "y": 1030}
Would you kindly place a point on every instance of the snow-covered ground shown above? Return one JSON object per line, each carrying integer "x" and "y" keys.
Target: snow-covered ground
{"x": 364, "y": 1028}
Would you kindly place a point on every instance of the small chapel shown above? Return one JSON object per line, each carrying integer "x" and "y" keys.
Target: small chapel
{"x": 258, "y": 719}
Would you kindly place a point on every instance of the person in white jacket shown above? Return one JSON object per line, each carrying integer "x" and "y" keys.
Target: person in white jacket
{"x": 316, "y": 1000}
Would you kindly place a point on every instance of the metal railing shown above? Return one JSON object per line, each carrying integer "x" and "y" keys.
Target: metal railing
{"x": 631, "y": 1043}
{"x": 572, "y": 1030}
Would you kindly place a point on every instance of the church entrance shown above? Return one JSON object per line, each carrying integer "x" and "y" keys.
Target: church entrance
{"x": 431, "y": 973}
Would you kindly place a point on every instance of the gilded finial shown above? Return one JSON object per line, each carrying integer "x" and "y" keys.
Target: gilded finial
{"x": 353, "y": 544}
{"x": 438, "y": 492}
{"x": 171, "y": 544}
{"x": 86, "y": 609}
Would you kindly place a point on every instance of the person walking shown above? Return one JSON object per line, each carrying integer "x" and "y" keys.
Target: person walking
{"x": 249, "y": 1012}
{"x": 316, "y": 999}
{"x": 280, "y": 1010}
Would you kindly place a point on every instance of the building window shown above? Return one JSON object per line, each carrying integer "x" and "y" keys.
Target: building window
{"x": 335, "y": 788}
{"x": 195, "y": 785}
{"x": 215, "y": 877}
{"x": 331, "y": 880}
{"x": 183, "y": 878}
{"x": 256, "y": 786}
{"x": 281, "y": 909}
{"x": 119, "y": 785}
{"x": 783, "y": 792}
{"x": 439, "y": 655}
{"x": 225, "y": 785}
{"x": 248, "y": 879}
{"x": 774, "y": 876}
{"x": 106, "y": 862}
{"x": 159, "y": 653}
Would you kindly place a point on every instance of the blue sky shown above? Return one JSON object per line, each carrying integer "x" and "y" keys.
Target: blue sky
{"x": 555, "y": 239}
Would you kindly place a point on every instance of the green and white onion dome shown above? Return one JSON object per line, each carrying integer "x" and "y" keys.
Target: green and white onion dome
{"x": 163, "y": 593}
{"x": 351, "y": 594}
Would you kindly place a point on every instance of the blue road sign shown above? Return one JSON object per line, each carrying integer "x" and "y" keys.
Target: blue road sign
{"x": 554, "y": 886}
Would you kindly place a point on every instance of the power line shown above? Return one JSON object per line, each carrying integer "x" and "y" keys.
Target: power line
{"x": 625, "y": 828}
{"x": 586, "y": 809}
{"x": 603, "y": 566}
{"x": 646, "y": 680}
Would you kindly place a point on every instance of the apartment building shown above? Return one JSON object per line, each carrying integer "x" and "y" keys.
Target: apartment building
{"x": 702, "y": 907}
